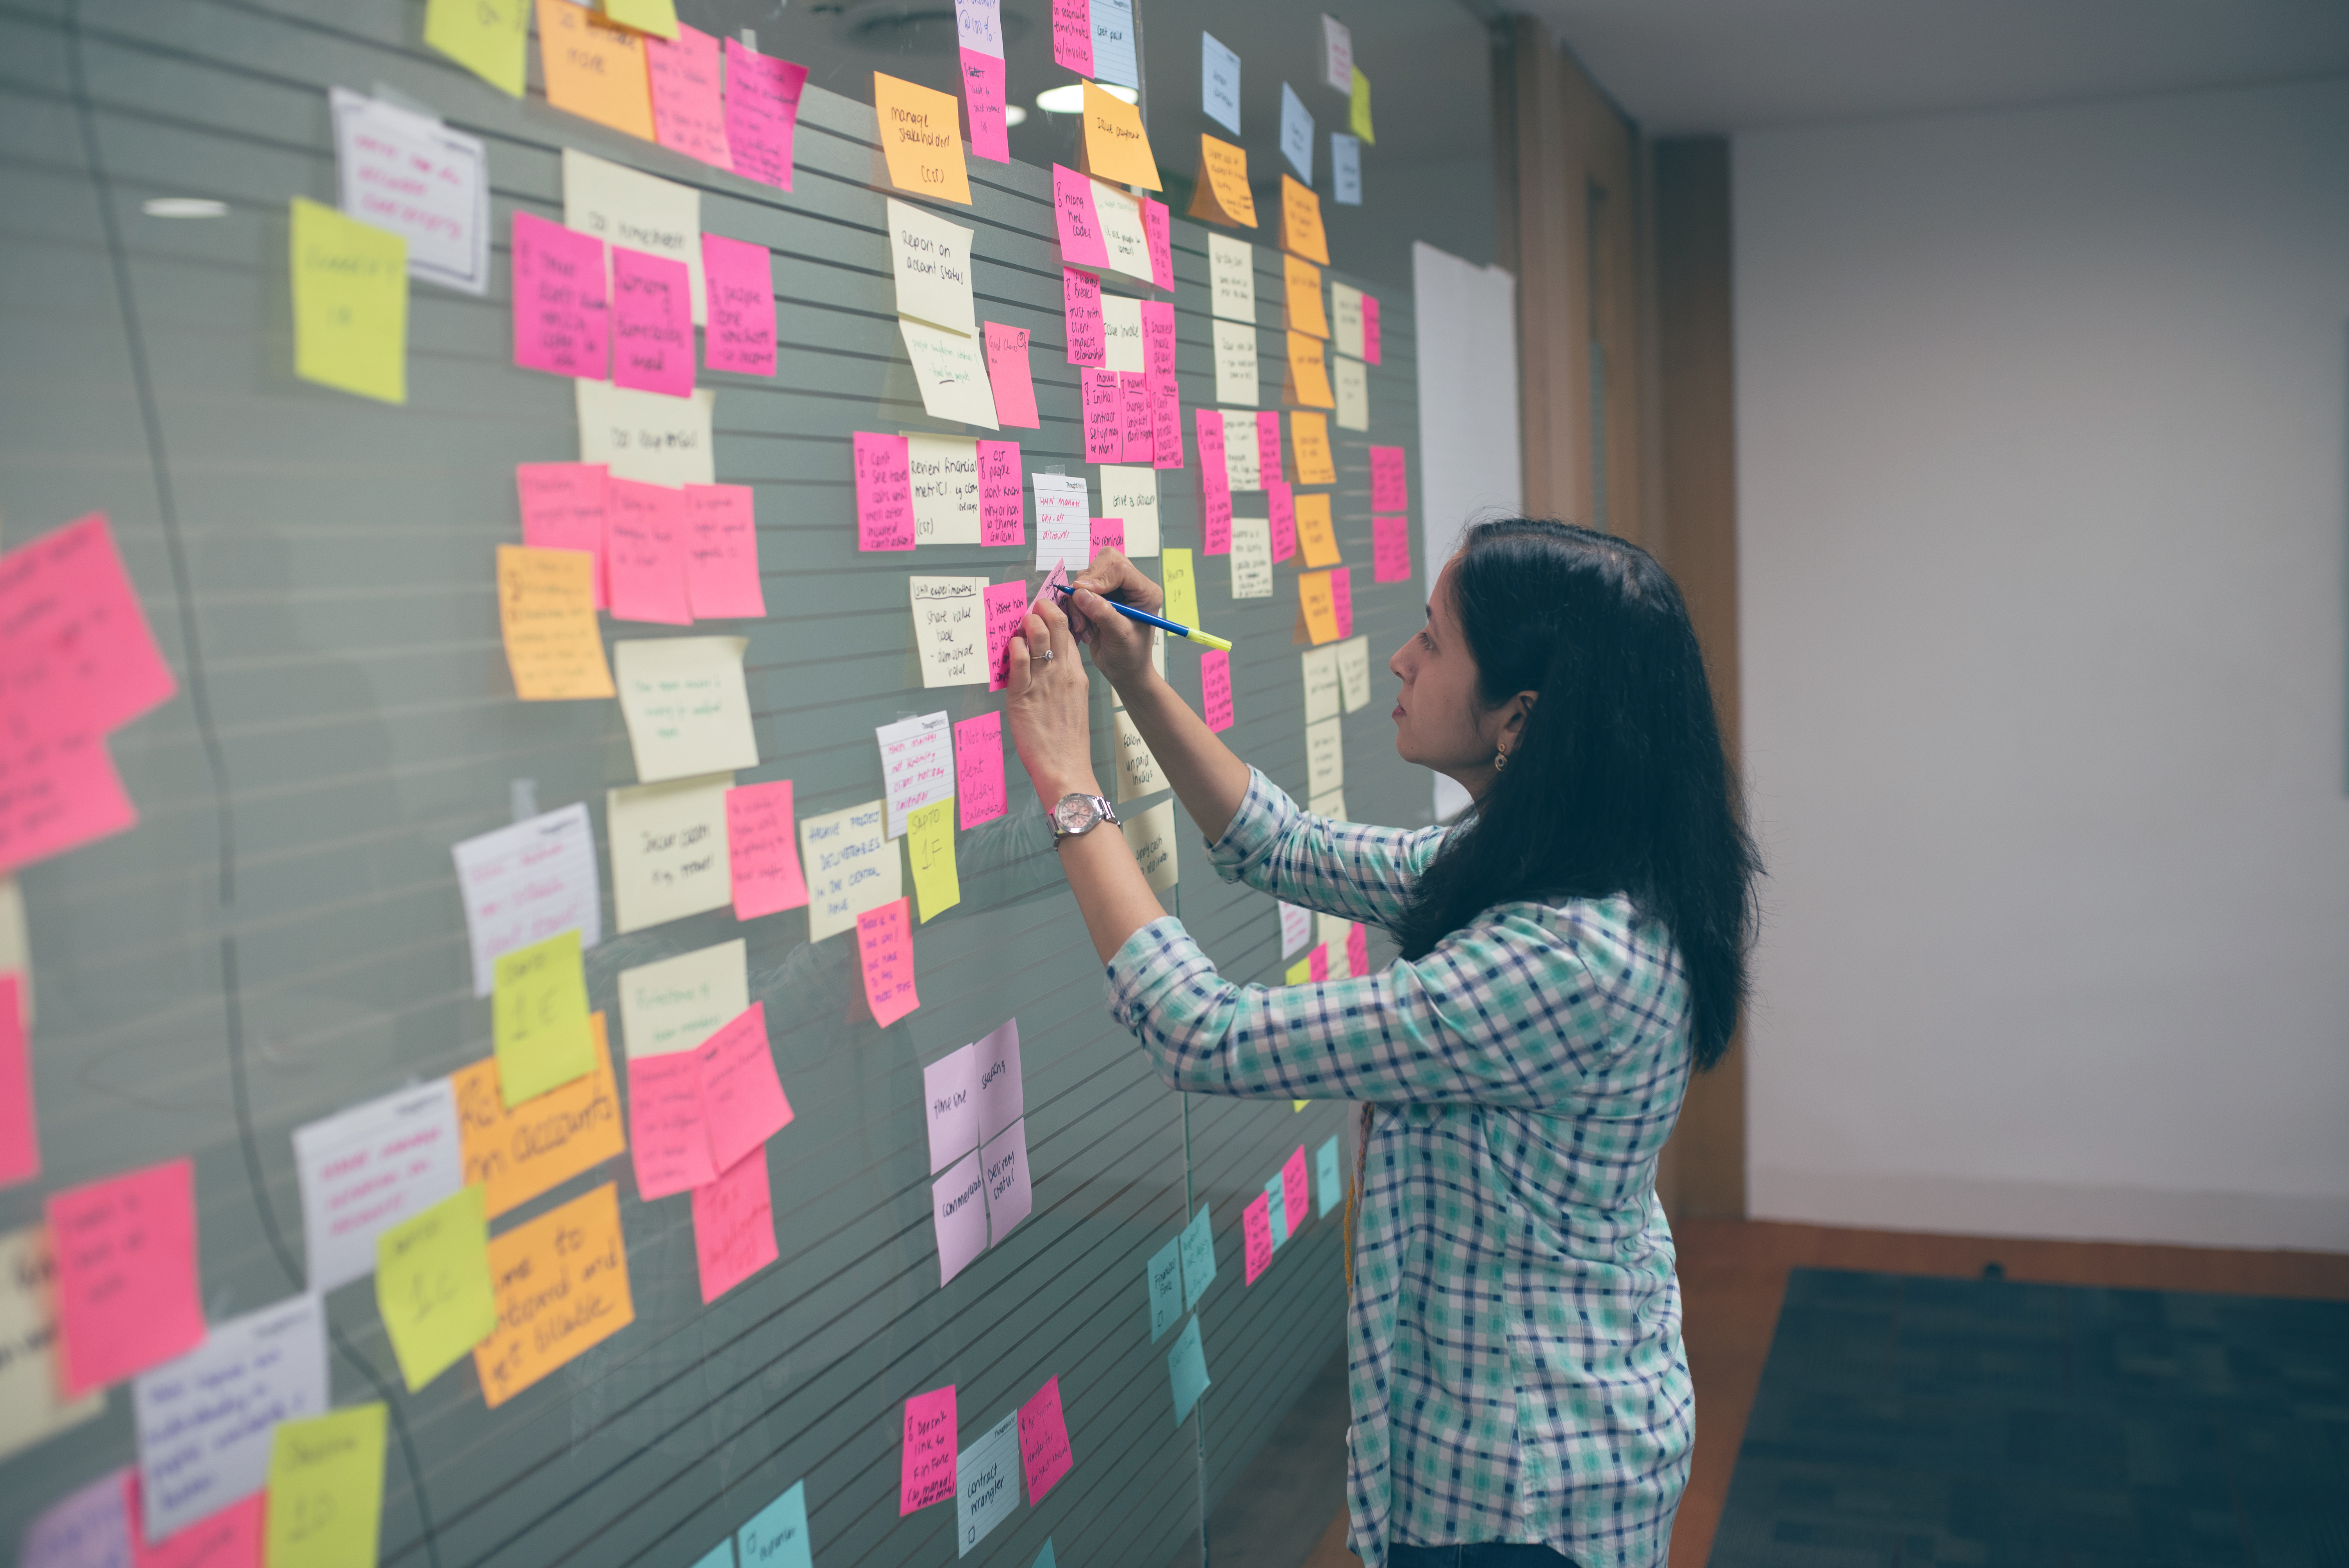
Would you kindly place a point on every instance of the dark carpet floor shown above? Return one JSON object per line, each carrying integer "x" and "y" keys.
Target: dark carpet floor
{"x": 1910, "y": 1421}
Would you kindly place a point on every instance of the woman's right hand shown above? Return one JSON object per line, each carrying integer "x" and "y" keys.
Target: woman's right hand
{"x": 1120, "y": 647}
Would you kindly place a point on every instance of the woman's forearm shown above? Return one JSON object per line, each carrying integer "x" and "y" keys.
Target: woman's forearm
{"x": 1207, "y": 778}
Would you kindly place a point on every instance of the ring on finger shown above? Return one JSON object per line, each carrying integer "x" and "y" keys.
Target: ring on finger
{"x": 1045, "y": 657}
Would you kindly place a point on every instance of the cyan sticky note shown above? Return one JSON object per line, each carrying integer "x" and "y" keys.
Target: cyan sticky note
{"x": 777, "y": 1536}
{"x": 1329, "y": 1187}
{"x": 1186, "y": 1366}
{"x": 1165, "y": 1284}
{"x": 1199, "y": 1259}
{"x": 1273, "y": 1190}
{"x": 719, "y": 1556}
{"x": 1044, "y": 1558}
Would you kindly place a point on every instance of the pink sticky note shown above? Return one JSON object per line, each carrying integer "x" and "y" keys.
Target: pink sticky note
{"x": 982, "y": 100}
{"x": 58, "y": 789}
{"x": 762, "y": 848}
{"x": 1073, "y": 36}
{"x": 1133, "y": 391}
{"x": 652, "y": 323}
{"x": 1165, "y": 422}
{"x": 559, "y": 313}
{"x": 1108, "y": 533}
{"x": 1007, "y": 607}
{"x": 1010, "y": 1195}
{"x": 1317, "y": 962}
{"x": 743, "y": 1101}
{"x": 885, "y": 945}
{"x": 1341, "y": 599}
{"x": 762, "y": 109}
{"x": 1158, "y": 337}
{"x": 225, "y": 1538}
{"x": 979, "y": 768}
{"x": 958, "y": 1209}
{"x": 71, "y": 627}
{"x": 738, "y": 278}
{"x": 722, "y": 553}
{"x": 667, "y": 1135}
{"x": 1103, "y": 404}
{"x": 686, "y": 115}
{"x": 734, "y": 1226}
{"x": 1079, "y": 221}
{"x": 1043, "y": 1440}
{"x": 126, "y": 1273}
{"x": 1388, "y": 492}
{"x": 1215, "y": 483}
{"x": 1082, "y": 304}
{"x": 1391, "y": 549}
{"x": 20, "y": 1138}
{"x": 645, "y": 531}
{"x": 885, "y": 492}
{"x": 1357, "y": 953}
{"x": 928, "y": 1473}
{"x": 1281, "y": 505}
{"x": 1369, "y": 330}
{"x": 1295, "y": 1202}
{"x": 1002, "y": 511}
{"x": 1007, "y": 375}
{"x": 1256, "y": 1230}
{"x": 1267, "y": 443}
{"x": 1158, "y": 230}
{"x": 1215, "y": 688}
{"x": 563, "y": 508}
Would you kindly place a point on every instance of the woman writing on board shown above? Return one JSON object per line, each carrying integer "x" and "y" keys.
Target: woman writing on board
{"x": 1571, "y": 952}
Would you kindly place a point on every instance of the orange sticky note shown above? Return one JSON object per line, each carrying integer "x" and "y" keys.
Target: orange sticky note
{"x": 1308, "y": 437}
{"x": 1315, "y": 535}
{"x": 1117, "y": 149}
{"x": 1314, "y": 597}
{"x": 126, "y": 1273}
{"x": 561, "y": 1284}
{"x": 1221, "y": 194}
{"x": 546, "y": 608}
{"x": 540, "y": 1143}
{"x": 884, "y": 942}
{"x": 921, "y": 137}
{"x": 1305, "y": 313}
{"x": 1309, "y": 375}
{"x": 1300, "y": 222}
{"x": 595, "y": 69}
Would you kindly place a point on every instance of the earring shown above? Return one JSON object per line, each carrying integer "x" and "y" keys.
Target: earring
{"x": 1500, "y": 760}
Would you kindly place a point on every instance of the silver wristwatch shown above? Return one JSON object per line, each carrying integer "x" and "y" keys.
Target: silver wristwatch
{"x": 1076, "y": 814}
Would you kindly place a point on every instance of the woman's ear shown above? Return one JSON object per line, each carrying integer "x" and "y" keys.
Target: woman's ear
{"x": 1513, "y": 714}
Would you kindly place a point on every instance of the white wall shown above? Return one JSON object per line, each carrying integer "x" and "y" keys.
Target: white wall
{"x": 2041, "y": 436}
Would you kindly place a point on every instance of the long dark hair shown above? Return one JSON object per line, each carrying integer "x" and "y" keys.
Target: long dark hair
{"x": 1617, "y": 783}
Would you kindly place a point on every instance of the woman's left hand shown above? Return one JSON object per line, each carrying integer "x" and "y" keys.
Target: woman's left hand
{"x": 1048, "y": 705}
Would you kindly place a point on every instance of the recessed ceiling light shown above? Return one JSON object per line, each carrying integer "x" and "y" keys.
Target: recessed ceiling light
{"x": 183, "y": 206}
{"x": 1071, "y": 99}
{"x": 1014, "y": 114}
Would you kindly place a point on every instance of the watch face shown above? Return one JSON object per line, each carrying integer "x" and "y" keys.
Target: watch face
{"x": 1074, "y": 814}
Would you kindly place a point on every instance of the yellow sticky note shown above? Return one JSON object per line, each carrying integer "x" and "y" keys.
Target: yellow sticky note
{"x": 1308, "y": 437}
{"x": 1181, "y": 588}
{"x": 516, "y": 1154}
{"x": 490, "y": 39}
{"x": 325, "y": 1489}
{"x": 594, "y": 69}
{"x": 1116, "y": 148}
{"x": 1316, "y": 536}
{"x": 921, "y": 137}
{"x": 660, "y": 16}
{"x": 1221, "y": 194}
{"x": 1309, "y": 375}
{"x": 561, "y": 1285}
{"x": 546, "y": 608}
{"x": 350, "y": 303}
{"x": 1320, "y": 612}
{"x": 930, "y": 846}
{"x": 1358, "y": 111}
{"x": 1300, "y": 222}
{"x": 1304, "y": 297}
{"x": 1300, "y": 974}
{"x": 1299, "y": 1104}
{"x": 432, "y": 1285}
{"x": 539, "y": 1013}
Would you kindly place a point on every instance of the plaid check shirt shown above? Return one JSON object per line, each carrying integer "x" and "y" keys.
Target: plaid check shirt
{"x": 1514, "y": 1335}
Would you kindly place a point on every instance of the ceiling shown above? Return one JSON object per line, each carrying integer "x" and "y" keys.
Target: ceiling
{"x": 1685, "y": 65}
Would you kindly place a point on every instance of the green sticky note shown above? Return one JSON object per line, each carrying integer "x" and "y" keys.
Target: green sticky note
{"x": 1163, "y": 1274}
{"x": 432, "y": 1285}
{"x": 1044, "y": 1558}
{"x": 1358, "y": 112}
{"x": 1332, "y": 1185}
{"x": 1277, "y": 1191}
{"x": 539, "y": 1015}
{"x": 655, "y": 16}
{"x": 350, "y": 303}
{"x": 325, "y": 1489}
{"x": 1186, "y": 1366}
{"x": 1199, "y": 1259}
{"x": 490, "y": 39}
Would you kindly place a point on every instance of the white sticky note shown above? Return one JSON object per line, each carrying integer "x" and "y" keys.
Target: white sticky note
{"x": 523, "y": 884}
{"x": 1002, "y": 1094}
{"x": 951, "y": 370}
{"x": 32, "y": 1406}
{"x": 677, "y": 1003}
{"x": 950, "y": 1105}
{"x": 1297, "y": 133}
{"x": 945, "y": 471}
{"x": 916, "y": 765}
{"x": 852, "y": 866}
{"x": 1010, "y": 1196}
{"x": 1322, "y": 688}
{"x": 411, "y": 175}
{"x": 1122, "y": 235}
{"x": 1131, "y": 495}
{"x": 1122, "y": 320}
{"x": 1231, "y": 278}
{"x": 1325, "y": 756}
{"x": 668, "y": 849}
{"x": 1330, "y": 931}
{"x": 959, "y": 1210}
{"x": 1113, "y": 60}
{"x": 1063, "y": 525}
{"x": 1354, "y": 673}
{"x": 978, "y": 25}
{"x": 986, "y": 1483}
{"x": 1219, "y": 83}
{"x": 1236, "y": 366}
{"x": 204, "y": 1421}
{"x": 950, "y": 629}
{"x": 1151, "y": 837}
{"x": 1138, "y": 773}
{"x": 649, "y": 437}
{"x": 1354, "y": 393}
{"x": 1251, "y": 558}
{"x": 1332, "y": 806}
{"x": 686, "y": 705}
{"x": 1346, "y": 169}
{"x": 622, "y": 207}
{"x": 930, "y": 259}
{"x": 1296, "y": 929}
{"x": 1336, "y": 54}
{"x": 17, "y": 942}
{"x": 1240, "y": 470}
{"x": 1346, "y": 318}
{"x": 365, "y": 1169}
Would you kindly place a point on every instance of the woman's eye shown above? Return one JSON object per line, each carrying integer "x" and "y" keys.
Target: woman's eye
{"x": 1427, "y": 642}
